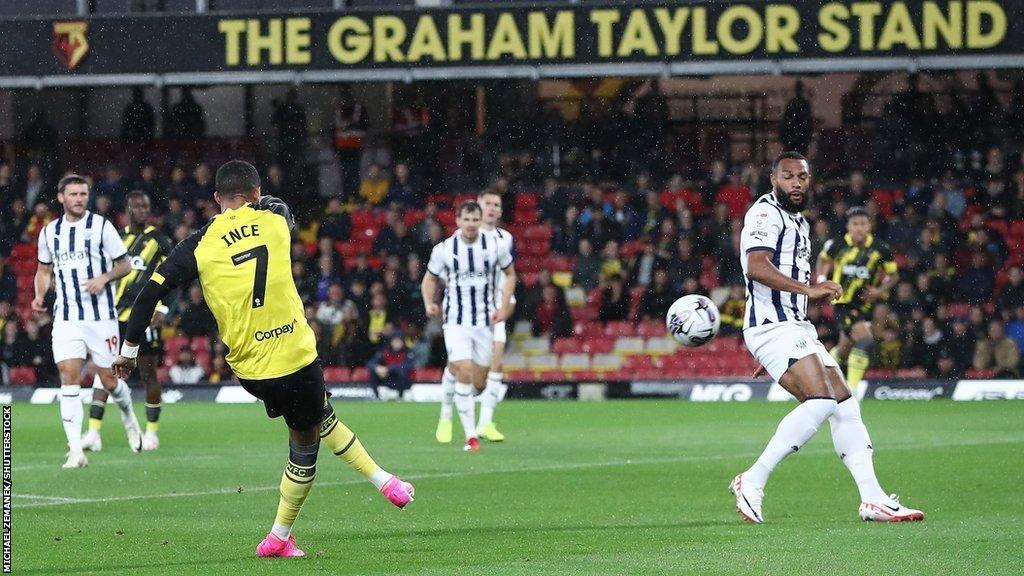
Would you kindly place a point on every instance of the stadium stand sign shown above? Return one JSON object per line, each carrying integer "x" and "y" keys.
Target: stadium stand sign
{"x": 595, "y": 39}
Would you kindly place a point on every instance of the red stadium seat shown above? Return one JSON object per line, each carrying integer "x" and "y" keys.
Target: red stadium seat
{"x": 336, "y": 374}
{"x": 520, "y": 376}
{"x": 23, "y": 375}
{"x": 619, "y": 328}
{"x": 567, "y": 346}
{"x": 360, "y": 375}
{"x": 981, "y": 374}
{"x": 649, "y": 329}
{"x": 427, "y": 375}
{"x": 552, "y": 375}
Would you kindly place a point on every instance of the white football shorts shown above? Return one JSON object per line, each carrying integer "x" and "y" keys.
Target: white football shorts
{"x": 499, "y": 332}
{"x": 474, "y": 343}
{"x": 98, "y": 339}
{"x": 778, "y": 346}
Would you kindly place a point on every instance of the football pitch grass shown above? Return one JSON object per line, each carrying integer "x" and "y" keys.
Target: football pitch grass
{"x": 627, "y": 487}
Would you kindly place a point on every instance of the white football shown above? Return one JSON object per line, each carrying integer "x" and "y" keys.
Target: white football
{"x": 693, "y": 320}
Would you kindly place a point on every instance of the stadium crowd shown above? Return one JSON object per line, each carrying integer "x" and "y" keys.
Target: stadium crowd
{"x": 616, "y": 236}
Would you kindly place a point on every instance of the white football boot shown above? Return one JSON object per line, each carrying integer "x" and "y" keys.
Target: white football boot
{"x": 889, "y": 510}
{"x": 91, "y": 441}
{"x": 748, "y": 499}
{"x": 76, "y": 460}
{"x": 150, "y": 441}
{"x": 132, "y": 430}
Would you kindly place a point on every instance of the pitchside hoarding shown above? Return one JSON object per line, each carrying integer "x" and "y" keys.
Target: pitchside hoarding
{"x": 674, "y": 37}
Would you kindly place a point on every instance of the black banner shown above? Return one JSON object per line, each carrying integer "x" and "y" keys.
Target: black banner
{"x": 572, "y": 40}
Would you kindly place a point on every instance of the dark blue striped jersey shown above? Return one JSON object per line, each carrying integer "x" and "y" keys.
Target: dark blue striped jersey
{"x": 469, "y": 270}
{"x": 768, "y": 226}
{"x": 80, "y": 251}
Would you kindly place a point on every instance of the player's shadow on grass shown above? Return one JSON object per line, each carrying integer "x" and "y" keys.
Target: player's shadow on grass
{"x": 475, "y": 530}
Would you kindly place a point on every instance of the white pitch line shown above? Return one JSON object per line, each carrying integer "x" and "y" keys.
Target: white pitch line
{"x": 56, "y": 499}
{"x": 547, "y": 468}
{"x": 138, "y": 459}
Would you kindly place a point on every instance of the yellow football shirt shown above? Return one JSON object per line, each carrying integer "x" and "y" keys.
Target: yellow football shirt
{"x": 243, "y": 261}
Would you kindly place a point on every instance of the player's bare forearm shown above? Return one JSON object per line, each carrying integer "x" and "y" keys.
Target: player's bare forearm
{"x": 509, "y": 288}
{"x": 429, "y": 291}
{"x": 121, "y": 269}
{"x": 762, "y": 271}
{"x": 823, "y": 268}
{"x": 41, "y": 282}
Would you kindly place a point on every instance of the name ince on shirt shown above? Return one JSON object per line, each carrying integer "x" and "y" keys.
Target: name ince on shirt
{"x": 243, "y": 231}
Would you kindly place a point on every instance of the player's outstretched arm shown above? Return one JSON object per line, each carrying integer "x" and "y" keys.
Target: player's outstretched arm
{"x": 761, "y": 270}
{"x": 138, "y": 321}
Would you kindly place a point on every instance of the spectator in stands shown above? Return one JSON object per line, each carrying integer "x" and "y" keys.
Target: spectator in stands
{"x": 1016, "y": 194}
{"x": 187, "y": 120}
{"x": 391, "y": 366}
{"x": 195, "y": 318}
{"x": 41, "y": 216}
{"x": 586, "y": 271}
{"x": 404, "y": 191}
{"x": 328, "y": 277}
{"x": 643, "y": 265}
{"x": 373, "y": 189}
{"x": 186, "y": 371}
{"x": 8, "y": 283}
{"x": 565, "y": 235}
{"x": 977, "y": 282}
{"x": 289, "y": 120}
{"x": 377, "y": 317}
{"x": 995, "y": 199}
{"x": 551, "y": 316}
{"x": 306, "y": 283}
{"x": 329, "y": 313}
{"x": 221, "y": 372}
{"x": 734, "y": 195}
{"x": 176, "y": 186}
{"x": 598, "y": 227}
{"x": 945, "y": 366}
{"x": 657, "y": 299}
{"x": 986, "y": 240}
{"x": 200, "y": 187}
{"x": 797, "y": 122}
{"x": 961, "y": 342}
{"x": 8, "y": 190}
{"x": 943, "y": 276}
{"x": 113, "y": 186}
{"x": 611, "y": 261}
{"x": 138, "y": 120}
{"x": 421, "y": 233}
{"x": 352, "y": 340}
{"x": 906, "y": 299}
{"x": 394, "y": 240}
{"x": 628, "y": 221}
{"x": 13, "y": 349}
{"x": 34, "y": 189}
{"x": 929, "y": 298}
{"x": 336, "y": 224}
{"x": 1011, "y": 296}
{"x": 39, "y": 352}
{"x": 615, "y": 300}
{"x": 148, "y": 183}
{"x": 684, "y": 264}
{"x": 997, "y": 352}
{"x": 362, "y": 272}
{"x": 733, "y": 310}
{"x": 953, "y": 193}
{"x": 890, "y": 351}
{"x": 926, "y": 343}
{"x": 552, "y": 203}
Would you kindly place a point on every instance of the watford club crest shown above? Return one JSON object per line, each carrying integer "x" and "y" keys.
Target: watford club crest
{"x": 70, "y": 44}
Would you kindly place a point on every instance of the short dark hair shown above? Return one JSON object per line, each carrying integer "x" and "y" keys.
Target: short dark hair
{"x": 788, "y": 155}
{"x": 136, "y": 194}
{"x": 469, "y": 206}
{"x": 857, "y": 211}
{"x": 71, "y": 179}
{"x": 237, "y": 177}
{"x": 488, "y": 192}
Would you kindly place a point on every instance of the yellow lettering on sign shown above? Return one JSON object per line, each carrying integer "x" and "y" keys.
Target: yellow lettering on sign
{"x": 348, "y": 40}
{"x": 950, "y": 25}
{"x": 257, "y": 43}
{"x": 506, "y": 39}
{"x": 755, "y": 29}
{"x": 604, "y": 19}
{"x": 637, "y": 36}
{"x": 426, "y": 41}
{"x": 474, "y": 36}
{"x": 977, "y": 37}
{"x": 701, "y": 44}
{"x": 672, "y": 25}
{"x": 388, "y": 34}
{"x": 866, "y": 12}
{"x": 782, "y": 22}
{"x": 296, "y": 36}
{"x": 552, "y": 40}
{"x": 835, "y": 36}
{"x": 898, "y": 29}
{"x": 232, "y": 31}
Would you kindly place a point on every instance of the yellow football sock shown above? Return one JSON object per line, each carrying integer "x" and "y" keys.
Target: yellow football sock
{"x": 345, "y": 445}
{"x": 296, "y": 483}
{"x": 835, "y": 353}
{"x": 856, "y": 364}
{"x": 95, "y": 424}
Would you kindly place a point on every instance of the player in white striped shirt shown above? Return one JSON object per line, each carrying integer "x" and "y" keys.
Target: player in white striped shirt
{"x": 775, "y": 254}
{"x": 467, "y": 261}
{"x": 494, "y": 392}
{"x": 85, "y": 253}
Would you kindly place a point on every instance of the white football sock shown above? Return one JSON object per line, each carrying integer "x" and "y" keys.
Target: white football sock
{"x": 465, "y": 403}
{"x": 489, "y": 399}
{"x": 447, "y": 393}
{"x": 122, "y": 395}
{"x": 281, "y": 531}
{"x": 381, "y": 477}
{"x": 71, "y": 413}
{"x": 793, "y": 432}
{"x": 853, "y": 445}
